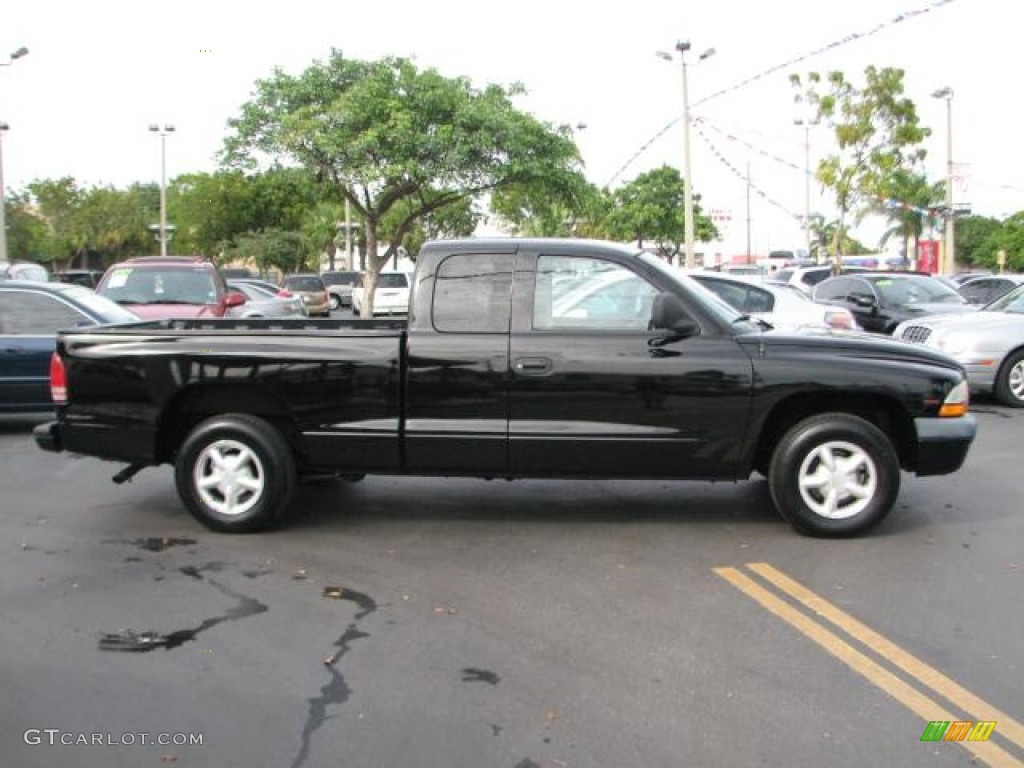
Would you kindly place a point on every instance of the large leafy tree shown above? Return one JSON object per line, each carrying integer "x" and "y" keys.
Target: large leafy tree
{"x": 649, "y": 209}
{"x": 877, "y": 133}
{"x": 908, "y": 201}
{"x": 1009, "y": 237}
{"x": 27, "y": 233}
{"x": 384, "y": 133}
{"x": 971, "y": 233}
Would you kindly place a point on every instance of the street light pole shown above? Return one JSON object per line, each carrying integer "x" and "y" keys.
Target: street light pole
{"x": 807, "y": 123}
{"x": 949, "y": 246}
{"x": 167, "y": 129}
{"x": 688, "y": 234}
{"x": 3, "y": 128}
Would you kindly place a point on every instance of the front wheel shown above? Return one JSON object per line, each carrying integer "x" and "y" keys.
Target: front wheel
{"x": 834, "y": 475}
{"x": 235, "y": 473}
{"x": 335, "y": 302}
{"x": 1010, "y": 380}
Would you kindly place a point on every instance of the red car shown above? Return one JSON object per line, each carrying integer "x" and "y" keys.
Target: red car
{"x": 158, "y": 287}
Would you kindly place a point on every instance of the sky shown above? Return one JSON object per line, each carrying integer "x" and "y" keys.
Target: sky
{"x": 98, "y": 73}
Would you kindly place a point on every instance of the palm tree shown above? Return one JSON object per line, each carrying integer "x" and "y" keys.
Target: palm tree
{"x": 909, "y": 198}
{"x": 320, "y": 228}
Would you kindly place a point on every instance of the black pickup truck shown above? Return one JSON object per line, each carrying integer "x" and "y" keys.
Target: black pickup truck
{"x": 520, "y": 358}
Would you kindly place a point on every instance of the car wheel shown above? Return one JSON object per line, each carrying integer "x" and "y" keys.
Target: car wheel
{"x": 834, "y": 475}
{"x": 335, "y": 302}
{"x": 235, "y": 473}
{"x": 1010, "y": 380}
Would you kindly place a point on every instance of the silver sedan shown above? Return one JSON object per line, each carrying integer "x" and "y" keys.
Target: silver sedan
{"x": 260, "y": 302}
{"x": 988, "y": 343}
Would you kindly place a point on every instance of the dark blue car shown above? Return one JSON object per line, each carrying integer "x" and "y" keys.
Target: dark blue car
{"x": 31, "y": 313}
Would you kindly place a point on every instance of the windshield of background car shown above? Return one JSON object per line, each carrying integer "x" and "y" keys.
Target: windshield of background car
{"x": 1011, "y": 302}
{"x": 107, "y": 310}
{"x": 726, "y": 314}
{"x": 779, "y": 276}
{"x": 306, "y": 284}
{"x": 128, "y": 284}
{"x": 342, "y": 278}
{"x": 915, "y": 289}
{"x": 392, "y": 280}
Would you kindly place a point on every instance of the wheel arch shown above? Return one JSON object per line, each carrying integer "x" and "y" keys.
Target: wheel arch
{"x": 199, "y": 402}
{"x": 886, "y": 413}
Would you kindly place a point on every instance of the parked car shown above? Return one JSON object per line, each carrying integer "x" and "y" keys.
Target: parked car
{"x": 261, "y": 302}
{"x": 266, "y": 285}
{"x": 882, "y": 300}
{"x": 90, "y": 278}
{"x": 471, "y": 385}
{"x": 31, "y": 313}
{"x": 989, "y": 344}
{"x": 805, "y": 278}
{"x": 783, "y": 306}
{"x": 23, "y": 270}
{"x": 984, "y": 289}
{"x": 159, "y": 287}
{"x": 232, "y": 273}
{"x": 311, "y": 289}
{"x": 391, "y": 296}
{"x": 340, "y": 285}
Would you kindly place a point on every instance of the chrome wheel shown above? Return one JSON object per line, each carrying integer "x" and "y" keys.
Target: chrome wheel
{"x": 1015, "y": 380}
{"x": 229, "y": 477}
{"x": 837, "y": 480}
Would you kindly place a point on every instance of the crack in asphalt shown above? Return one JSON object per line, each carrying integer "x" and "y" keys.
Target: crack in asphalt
{"x": 335, "y": 690}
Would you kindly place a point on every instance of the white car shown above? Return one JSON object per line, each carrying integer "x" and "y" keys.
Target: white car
{"x": 806, "y": 278}
{"x": 391, "y": 296}
{"x": 783, "y": 306}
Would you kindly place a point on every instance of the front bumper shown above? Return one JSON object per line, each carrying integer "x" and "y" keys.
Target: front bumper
{"x": 47, "y": 436}
{"x": 942, "y": 444}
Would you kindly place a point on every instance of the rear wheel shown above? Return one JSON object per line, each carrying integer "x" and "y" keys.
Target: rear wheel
{"x": 1010, "y": 380}
{"x": 335, "y": 302}
{"x": 235, "y": 473}
{"x": 834, "y": 475}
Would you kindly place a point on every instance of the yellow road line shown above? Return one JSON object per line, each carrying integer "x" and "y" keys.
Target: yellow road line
{"x": 938, "y": 682}
{"x": 910, "y": 697}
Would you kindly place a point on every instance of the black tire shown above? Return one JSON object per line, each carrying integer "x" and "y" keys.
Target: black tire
{"x": 799, "y": 470}
{"x": 1010, "y": 381}
{"x": 266, "y": 465}
{"x": 335, "y": 302}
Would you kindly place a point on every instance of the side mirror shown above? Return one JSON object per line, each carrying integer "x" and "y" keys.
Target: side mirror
{"x": 668, "y": 314}
{"x": 234, "y": 299}
{"x": 864, "y": 300}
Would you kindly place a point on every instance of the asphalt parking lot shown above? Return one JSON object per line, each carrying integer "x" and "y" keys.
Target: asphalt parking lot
{"x": 537, "y": 624}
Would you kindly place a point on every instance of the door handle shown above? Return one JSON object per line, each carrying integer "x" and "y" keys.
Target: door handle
{"x": 533, "y": 366}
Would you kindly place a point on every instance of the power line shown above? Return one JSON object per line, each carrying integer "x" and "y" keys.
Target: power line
{"x": 850, "y": 38}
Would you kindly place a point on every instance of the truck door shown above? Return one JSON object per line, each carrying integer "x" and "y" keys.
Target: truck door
{"x": 456, "y": 418}
{"x": 594, "y": 392}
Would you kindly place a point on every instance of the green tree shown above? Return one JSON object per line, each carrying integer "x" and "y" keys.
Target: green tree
{"x": 270, "y": 248}
{"x": 27, "y": 233}
{"x": 905, "y": 199}
{"x": 877, "y": 134}
{"x": 56, "y": 201}
{"x": 545, "y": 210}
{"x": 380, "y": 133}
{"x": 649, "y": 209}
{"x": 970, "y": 233}
{"x": 1009, "y": 237}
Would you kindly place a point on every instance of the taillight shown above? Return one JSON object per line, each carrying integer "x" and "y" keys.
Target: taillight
{"x": 58, "y": 380}
{"x": 283, "y": 294}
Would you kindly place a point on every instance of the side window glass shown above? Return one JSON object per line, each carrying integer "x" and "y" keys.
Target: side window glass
{"x": 759, "y": 301}
{"x": 33, "y": 314}
{"x": 473, "y": 293}
{"x": 733, "y": 295}
{"x": 590, "y": 294}
{"x": 834, "y": 289}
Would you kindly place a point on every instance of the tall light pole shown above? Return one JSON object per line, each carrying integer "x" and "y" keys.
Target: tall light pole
{"x": 682, "y": 47}
{"x": 807, "y": 123}
{"x": 164, "y": 132}
{"x": 3, "y": 127}
{"x": 949, "y": 246}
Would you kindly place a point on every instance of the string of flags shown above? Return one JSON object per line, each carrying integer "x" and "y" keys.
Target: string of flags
{"x": 845, "y": 40}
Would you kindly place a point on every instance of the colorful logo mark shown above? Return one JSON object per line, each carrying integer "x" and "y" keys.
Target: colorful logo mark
{"x": 958, "y": 730}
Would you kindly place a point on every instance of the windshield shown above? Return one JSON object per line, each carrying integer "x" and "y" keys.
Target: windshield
{"x": 916, "y": 289}
{"x": 305, "y": 283}
{"x": 148, "y": 285}
{"x": 107, "y": 310}
{"x": 1012, "y": 302}
{"x": 717, "y": 306}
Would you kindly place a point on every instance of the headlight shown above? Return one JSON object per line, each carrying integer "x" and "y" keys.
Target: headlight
{"x": 955, "y": 343}
{"x": 955, "y": 403}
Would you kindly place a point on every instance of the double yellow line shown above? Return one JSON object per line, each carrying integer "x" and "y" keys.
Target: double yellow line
{"x": 917, "y": 702}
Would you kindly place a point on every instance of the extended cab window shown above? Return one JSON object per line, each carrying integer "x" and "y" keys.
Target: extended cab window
{"x": 473, "y": 293}
{"x": 590, "y": 294}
